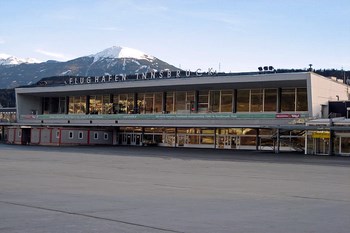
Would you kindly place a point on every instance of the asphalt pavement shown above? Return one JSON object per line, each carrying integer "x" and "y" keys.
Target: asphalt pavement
{"x": 152, "y": 189}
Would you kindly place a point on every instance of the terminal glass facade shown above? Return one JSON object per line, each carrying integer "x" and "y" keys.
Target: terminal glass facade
{"x": 77, "y": 105}
{"x": 202, "y": 101}
{"x": 123, "y": 103}
{"x": 294, "y": 99}
{"x": 257, "y": 100}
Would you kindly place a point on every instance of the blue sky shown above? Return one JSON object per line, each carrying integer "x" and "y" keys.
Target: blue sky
{"x": 240, "y": 35}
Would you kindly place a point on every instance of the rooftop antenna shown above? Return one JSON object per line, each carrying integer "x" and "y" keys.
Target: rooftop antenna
{"x": 310, "y": 69}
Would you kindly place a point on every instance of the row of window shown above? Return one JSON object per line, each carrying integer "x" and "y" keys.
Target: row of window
{"x": 71, "y": 135}
{"x": 81, "y": 135}
{"x": 247, "y": 100}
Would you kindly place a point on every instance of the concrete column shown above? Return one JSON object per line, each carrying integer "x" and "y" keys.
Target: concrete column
{"x": 67, "y": 105}
{"x": 136, "y": 106}
{"x": 277, "y": 149}
{"x": 164, "y": 103}
{"x": 175, "y": 137}
{"x": 279, "y": 97}
{"x": 196, "y": 98}
{"x": 215, "y": 129}
{"x": 331, "y": 142}
{"x": 257, "y": 141}
{"x": 306, "y": 141}
{"x": 234, "y": 100}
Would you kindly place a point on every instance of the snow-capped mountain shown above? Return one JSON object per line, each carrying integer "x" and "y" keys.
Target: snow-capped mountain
{"x": 6, "y": 59}
{"x": 121, "y": 52}
{"x": 114, "y": 60}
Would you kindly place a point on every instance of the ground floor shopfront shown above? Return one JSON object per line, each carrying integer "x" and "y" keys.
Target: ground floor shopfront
{"x": 219, "y": 138}
{"x": 313, "y": 142}
{"x": 328, "y": 142}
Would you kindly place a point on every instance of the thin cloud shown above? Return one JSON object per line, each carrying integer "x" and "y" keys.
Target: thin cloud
{"x": 51, "y": 54}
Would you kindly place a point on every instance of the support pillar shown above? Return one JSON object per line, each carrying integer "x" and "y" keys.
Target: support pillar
{"x": 257, "y": 141}
{"x": 136, "y": 106}
{"x": 306, "y": 141}
{"x": 175, "y": 137}
{"x": 215, "y": 143}
{"x": 164, "y": 103}
{"x": 195, "y": 104}
{"x": 67, "y": 105}
{"x": 279, "y": 98}
{"x": 278, "y": 142}
{"x": 234, "y": 100}
{"x": 331, "y": 142}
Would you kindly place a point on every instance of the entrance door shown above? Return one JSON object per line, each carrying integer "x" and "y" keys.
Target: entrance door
{"x": 321, "y": 146}
{"x": 136, "y": 139}
{"x": 26, "y": 136}
{"x": 227, "y": 142}
{"x": 133, "y": 139}
{"x": 224, "y": 142}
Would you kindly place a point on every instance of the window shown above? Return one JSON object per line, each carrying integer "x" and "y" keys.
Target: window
{"x": 203, "y": 101}
{"x": 158, "y": 102}
{"x": 57, "y": 134}
{"x": 170, "y": 102}
{"x": 105, "y": 136}
{"x": 288, "y": 100}
{"x": 100, "y": 104}
{"x": 243, "y": 100}
{"x": 215, "y": 101}
{"x": 62, "y": 105}
{"x": 123, "y": 103}
{"x": 301, "y": 102}
{"x": 190, "y": 100}
{"x": 77, "y": 104}
{"x": 180, "y": 103}
{"x": 226, "y": 101}
{"x": 256, "y": 98}
{"x": 96, "y": 135}
{"x": 270, "y": 100}
{"x": 71, "y": 134}
{"x": 80, "y": 135}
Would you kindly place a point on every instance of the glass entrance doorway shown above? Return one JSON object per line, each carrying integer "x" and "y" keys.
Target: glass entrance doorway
{"x": 321, "y": 146}
{"x": 130, "y": 136}
{"x": 133, "y": 139}
{"x": 318, "y": 142}
{"x": 227, "y": 142}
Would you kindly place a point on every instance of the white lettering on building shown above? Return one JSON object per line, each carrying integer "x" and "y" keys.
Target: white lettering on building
{"x": 143, "y": 76}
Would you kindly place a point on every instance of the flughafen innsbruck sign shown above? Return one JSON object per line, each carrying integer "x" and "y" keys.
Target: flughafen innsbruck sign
{"x": 163, "y": 74}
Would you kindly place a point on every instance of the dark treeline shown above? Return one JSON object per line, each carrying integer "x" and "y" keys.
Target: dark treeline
{"x": 339, "y": 74}
{"x": 7, "y": 98}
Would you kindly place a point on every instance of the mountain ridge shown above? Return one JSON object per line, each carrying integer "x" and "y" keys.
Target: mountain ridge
{"x": 113, "y": 60}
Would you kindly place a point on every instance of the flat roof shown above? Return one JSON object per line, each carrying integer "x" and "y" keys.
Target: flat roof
{"x": 227, "y": 81}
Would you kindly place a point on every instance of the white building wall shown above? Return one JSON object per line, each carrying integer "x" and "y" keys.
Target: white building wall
{"x": 324, "y": 90}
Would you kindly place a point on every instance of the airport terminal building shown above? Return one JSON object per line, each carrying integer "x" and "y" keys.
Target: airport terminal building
{"x": 260, "y": 111}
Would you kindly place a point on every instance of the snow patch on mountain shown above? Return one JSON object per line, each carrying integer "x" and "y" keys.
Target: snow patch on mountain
{"x": 121, "y": 52}
{"x": 66, "y": 72}
{"x": 6, "y": 59}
